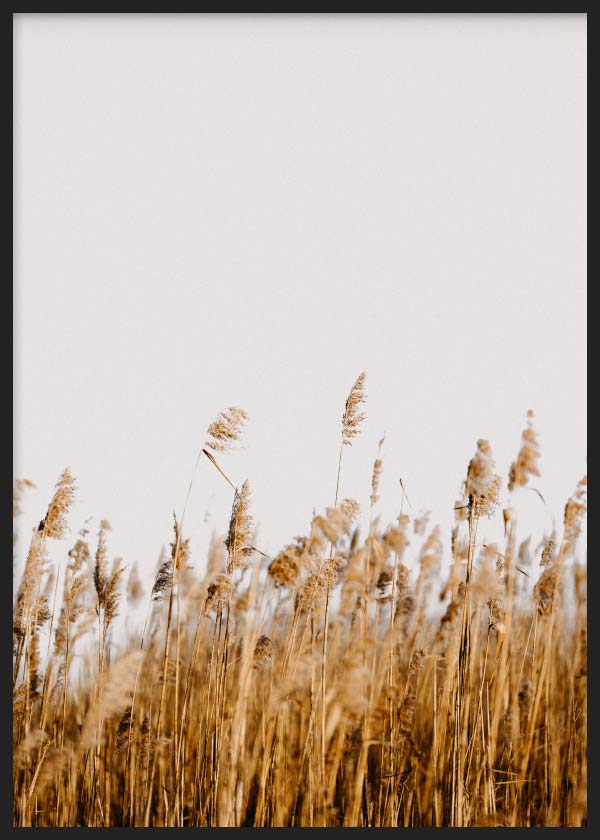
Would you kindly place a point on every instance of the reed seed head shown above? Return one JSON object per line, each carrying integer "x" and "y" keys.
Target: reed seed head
{"x": 55, "y": 522}
{"x": 164, "y": 577}
{"x": 351, "y": 509}
{"x": 526, "y": 464}
{"x": 219, "y": 593}
{"x": 224, "y": 432}
{"x": 575, "y": 510}
{"x": 284, "y": 569}
{"x": 241, "y": 527}
{"x": 352, "y": 417}
{"x": 482, "y": 485}
{"x": 263, "y": 653}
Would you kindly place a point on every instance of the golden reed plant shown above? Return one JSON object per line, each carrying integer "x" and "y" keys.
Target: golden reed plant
{"x": 334, "y": 684}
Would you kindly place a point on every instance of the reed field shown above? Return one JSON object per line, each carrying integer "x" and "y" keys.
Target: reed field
{"x": 349, "y": 680}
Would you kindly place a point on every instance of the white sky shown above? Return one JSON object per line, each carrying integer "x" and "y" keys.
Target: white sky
{"x": 215, "y": 211}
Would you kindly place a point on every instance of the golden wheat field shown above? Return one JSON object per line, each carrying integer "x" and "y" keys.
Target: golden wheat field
{"x": 345, "y": 681}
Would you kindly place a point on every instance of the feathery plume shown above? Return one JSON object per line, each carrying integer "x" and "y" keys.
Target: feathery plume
{"x": 332, "y": 570}
{"x": 219, "y": 592}
{"x": 284, "y": 569}
{"x": 55, "y": 522}
{"x": 496, "y": 611}
{"x": 526, "y": 463}
{"x": 575, "y": 510}
{"x": 135, "y": 590}
{"x": 548, "y": 552}
{"x": 394, "y": 538}
{"x": 112, "y": 596}
{"x": 452, "y": 612}
{"x": 311, "y": 593}
{"x": 30, "y": 743}
{"x": 333, "y": 525}
{"x": 100, "y": 578}
{"x": 352, "y": 418}
{"x": 545, "y": 588}
{"x": 34, "y": 569}
{"x": 352, "y": 594}
{"x": 406, "y": 601}
{"x": 52, "y": 764}
{"x": 116, "y": 695}
{"x": 420, "y": 522}
{"x": 386, "y": 576}
{"x": 416, "y": 662}
{"x": 224, "y": 432}
{"x": 376, "y": 477}
{"x": 124, "y": 729}
{"x": 240, "y": 529}
{"x": 33, "y": 663}
{"x": 74, "y": 591}
{"x": 217, "y": 556}
{"x": 263, "y": 653}
{"x": 429, "y": 559}
{"x": 319, "y": 583}
{"x": 482, "y": 485}
{"x": 164, "y": 577}
{"x": 351, "y": 509}
{"x": 180, "y": 548}
{"x": 407, "y": 713}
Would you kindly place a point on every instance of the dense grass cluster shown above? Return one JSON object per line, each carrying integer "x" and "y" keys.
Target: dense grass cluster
{"x": 342, "y": 682}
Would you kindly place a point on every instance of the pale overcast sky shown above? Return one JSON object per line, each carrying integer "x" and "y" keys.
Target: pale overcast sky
{"x": 215, "y": 211}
